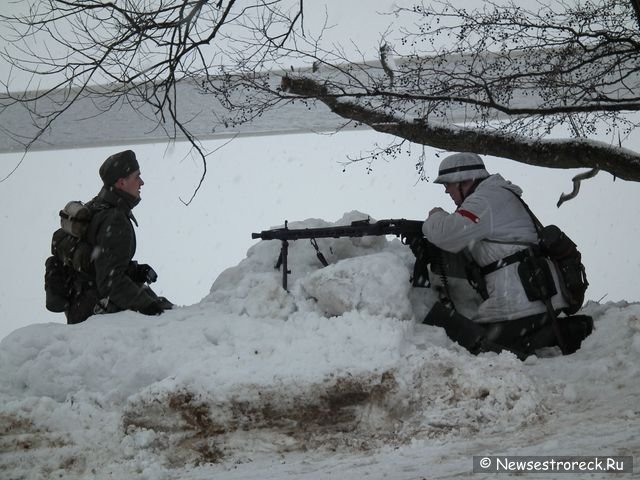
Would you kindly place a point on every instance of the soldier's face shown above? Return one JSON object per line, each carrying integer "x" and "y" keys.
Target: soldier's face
{"x": 458, "y": 190}
{"x": 453, "y": 189}
{"x": 131, "y": 184}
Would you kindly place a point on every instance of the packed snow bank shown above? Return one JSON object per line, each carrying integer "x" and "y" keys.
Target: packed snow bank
{"x": 196, "y": 386}
{"x": 341, "y": 363}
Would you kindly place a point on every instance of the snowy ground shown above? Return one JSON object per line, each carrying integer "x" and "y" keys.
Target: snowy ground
{"x": 337, "y": 379}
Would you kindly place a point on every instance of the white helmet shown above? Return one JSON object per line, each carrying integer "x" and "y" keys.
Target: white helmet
{"x": 460, "y": 167}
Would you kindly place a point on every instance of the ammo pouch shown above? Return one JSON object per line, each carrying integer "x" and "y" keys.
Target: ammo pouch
{"x": 536, "y": 278}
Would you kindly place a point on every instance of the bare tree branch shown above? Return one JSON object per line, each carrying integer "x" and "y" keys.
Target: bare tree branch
{"x": 575, "y": 153}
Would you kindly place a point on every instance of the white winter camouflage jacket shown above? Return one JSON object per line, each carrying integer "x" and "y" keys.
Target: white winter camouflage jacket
{"x": 492, "y": 223}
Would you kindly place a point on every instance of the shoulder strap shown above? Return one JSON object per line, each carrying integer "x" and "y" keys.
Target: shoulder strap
{"x": 98, "y": 204}
{"x": 536, "y": 223}
{"x": 97, "y": 219}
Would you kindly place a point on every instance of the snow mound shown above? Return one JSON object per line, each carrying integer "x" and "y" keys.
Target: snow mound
{"x": 366, "y": 274}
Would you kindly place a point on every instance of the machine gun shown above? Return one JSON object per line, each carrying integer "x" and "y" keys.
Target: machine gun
{"x": 409, "y": 231}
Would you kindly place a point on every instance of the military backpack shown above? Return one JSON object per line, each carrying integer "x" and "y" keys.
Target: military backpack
{"x": 71, "y": 255}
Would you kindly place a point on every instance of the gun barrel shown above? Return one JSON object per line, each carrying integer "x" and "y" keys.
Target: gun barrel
{"x": 358, "y": 228}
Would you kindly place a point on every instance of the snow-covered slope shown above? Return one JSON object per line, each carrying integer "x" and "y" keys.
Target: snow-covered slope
{"x": 337, "y": 378}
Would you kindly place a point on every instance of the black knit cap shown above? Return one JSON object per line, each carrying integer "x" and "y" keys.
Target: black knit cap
{"x": 118, "y": 165}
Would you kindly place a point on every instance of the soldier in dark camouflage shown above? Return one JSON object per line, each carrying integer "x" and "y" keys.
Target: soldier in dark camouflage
{"x": 119, "y": 282}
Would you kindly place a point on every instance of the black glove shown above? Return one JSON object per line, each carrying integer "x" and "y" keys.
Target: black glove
{"x": 154, "y": 308}
{"x": 142, "y": 273}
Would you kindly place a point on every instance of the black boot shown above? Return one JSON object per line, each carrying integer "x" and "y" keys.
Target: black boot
{"x": 574, "y": 330}
{"x": 459, "y": 328}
